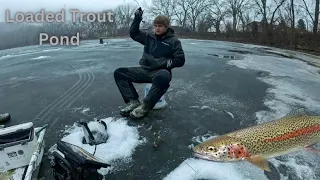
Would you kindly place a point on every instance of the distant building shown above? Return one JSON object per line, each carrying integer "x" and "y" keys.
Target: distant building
{"x": 254, "y": 25}
{"x": 178, "y": 29}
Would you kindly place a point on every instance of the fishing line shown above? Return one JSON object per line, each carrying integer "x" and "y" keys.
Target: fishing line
{"x": 140, "y": 7}
{"x": 137, "y": 3}
{"x": 191, "y": 167}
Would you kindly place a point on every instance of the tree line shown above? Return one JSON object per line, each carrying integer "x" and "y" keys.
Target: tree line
{"x": 283, "y": 23}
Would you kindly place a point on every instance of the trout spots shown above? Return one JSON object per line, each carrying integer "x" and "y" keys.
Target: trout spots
{"x": 237, "y": 151}
{"x": 293, "y": 134}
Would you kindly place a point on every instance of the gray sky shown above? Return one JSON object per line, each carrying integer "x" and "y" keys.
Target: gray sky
{"x": 82, "y": 5}
{"x": 56, "y": 5}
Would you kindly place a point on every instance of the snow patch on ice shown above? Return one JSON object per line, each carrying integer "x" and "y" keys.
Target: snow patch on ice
{"x": 192, "y": 169}
{"x": 121, "y": 144}
{"x": 17, "y": 79}
{"x": 283, "y": 97}
{"x": 41, "y": 57}
{"x": 82, "y": 110}
{"x": 18, "y": 55}
{"x": 301, "y": 171}
{"x": 5, "y": 56}
{"x": 85, "y": 110}
{"x": 200, "y": 139}
{"x": 49, "y": 50}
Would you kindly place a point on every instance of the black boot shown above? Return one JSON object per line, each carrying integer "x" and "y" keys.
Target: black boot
{"x": 130, "y": 107}
{"x": 4, "y": 117}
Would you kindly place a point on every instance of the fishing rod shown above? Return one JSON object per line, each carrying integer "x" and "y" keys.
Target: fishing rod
{"x": 140, "y": 9}
{"x": 138, "y": 5}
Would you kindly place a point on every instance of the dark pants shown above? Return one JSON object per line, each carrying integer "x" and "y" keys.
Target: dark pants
{"x": 160, "y": 80}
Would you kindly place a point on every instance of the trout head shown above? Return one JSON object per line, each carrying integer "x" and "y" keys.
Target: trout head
{"x": 221, "y": 148}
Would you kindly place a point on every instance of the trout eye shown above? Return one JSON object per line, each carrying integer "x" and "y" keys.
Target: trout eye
{"x": 211, "y": 148}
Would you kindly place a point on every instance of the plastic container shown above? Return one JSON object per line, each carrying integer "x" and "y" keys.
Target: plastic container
{"x": 17, "y": 146}
{"x": 161, "y": 103}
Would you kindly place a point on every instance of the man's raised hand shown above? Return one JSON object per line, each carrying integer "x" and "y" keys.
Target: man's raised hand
{"x": 138, "y": 14}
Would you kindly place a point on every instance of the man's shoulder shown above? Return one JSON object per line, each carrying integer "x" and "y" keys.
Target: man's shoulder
{"x": 173, "y": 39}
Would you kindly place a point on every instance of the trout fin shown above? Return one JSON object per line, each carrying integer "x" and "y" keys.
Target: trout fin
{"x": 311, "y": 148}
{"x": 260, "y": 162}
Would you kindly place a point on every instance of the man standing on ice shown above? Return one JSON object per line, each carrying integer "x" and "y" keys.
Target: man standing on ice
{"x": 162, "y": 52}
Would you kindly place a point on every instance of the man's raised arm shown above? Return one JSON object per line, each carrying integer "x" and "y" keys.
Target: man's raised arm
{"x": 135, "y": 32}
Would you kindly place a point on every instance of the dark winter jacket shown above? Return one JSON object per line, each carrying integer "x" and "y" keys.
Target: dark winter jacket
{"x": 158, "y": 51}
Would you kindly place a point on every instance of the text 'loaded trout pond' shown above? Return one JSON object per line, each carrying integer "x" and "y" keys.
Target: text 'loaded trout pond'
{"x": 256, "y": 144}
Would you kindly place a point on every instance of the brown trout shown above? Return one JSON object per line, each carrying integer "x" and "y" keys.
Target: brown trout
{"x": 258, "y": 143}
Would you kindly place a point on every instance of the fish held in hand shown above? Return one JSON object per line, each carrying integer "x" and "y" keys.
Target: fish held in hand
{"x": 258, "y": 143}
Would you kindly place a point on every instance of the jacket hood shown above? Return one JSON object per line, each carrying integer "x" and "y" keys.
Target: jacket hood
{"x": 170, "y": 32}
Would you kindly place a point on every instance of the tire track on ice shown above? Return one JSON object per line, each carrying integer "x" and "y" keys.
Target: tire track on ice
{"x": 80, "y": 91}
{"x": 85, "y": 88}
{"x": 43, "y": 114}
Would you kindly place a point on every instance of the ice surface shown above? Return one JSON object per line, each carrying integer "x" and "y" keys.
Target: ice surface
{"x": 294, "y": 84}
{"x": 121, "y": 144}
{"x": 18, "y": 80}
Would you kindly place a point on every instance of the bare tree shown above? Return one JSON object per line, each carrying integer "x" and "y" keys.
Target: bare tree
{"x": 196, "y": 7}
{"x": 124, "y": 14}
{"x": 163, "y": 7}
{"x": 217, "y": 9}
{"x": 316, "y": 17}
{"x": 181, "y": 9}
{"x": 262, "y": 9}
{"x": 293, "y": 23}
{"x": 233, "y": 8}
{"x": 206, "y": 22}
{"x": 245, "y": 15}
{"x": 315, "y": 20}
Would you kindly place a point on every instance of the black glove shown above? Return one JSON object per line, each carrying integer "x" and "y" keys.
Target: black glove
{"x": 163, "y": 63}
{"x": 138, "y": 14}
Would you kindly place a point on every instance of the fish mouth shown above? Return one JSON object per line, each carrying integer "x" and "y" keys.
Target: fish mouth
{"x": 205, "y": 157}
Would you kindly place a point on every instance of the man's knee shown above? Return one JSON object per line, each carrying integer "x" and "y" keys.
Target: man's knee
{"x": 162, "y": 79}
{"x": 119, "y": 72}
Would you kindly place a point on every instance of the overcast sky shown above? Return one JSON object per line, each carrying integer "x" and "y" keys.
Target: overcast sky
{"x": 56, "y": 5}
